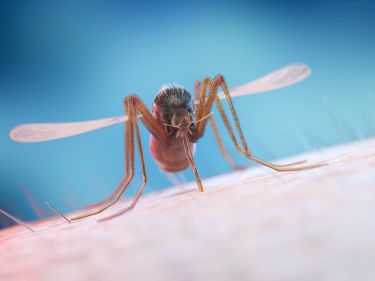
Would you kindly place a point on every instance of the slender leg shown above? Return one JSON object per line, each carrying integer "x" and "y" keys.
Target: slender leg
{"x": 197, "y": 90}
{"x": 199, "y": 97}
{"x": 198, "y": 93}
{"x": 221, "y": 145}
{"x": 118, "y": 188}
{"x": 206, "y": 84}
{"x": 129, "y": 139}
{"x": 133, "y": 105}
{"x": 206, "y": 106}
{"x": 106, "y": 200}
{"x": 144, "y": 175}
{"x": 151, "y": 125}
{"x": 190, "y": 157}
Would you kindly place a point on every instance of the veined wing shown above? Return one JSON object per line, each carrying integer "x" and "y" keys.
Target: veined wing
{"x": 281, "y": 78}
{"x": 52, "y": 131}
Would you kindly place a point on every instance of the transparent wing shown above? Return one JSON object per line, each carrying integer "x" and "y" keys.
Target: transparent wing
{"x": 52, "y": 131}
{"x": 283, "y": 77}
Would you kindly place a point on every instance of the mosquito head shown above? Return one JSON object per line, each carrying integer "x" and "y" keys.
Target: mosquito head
{"x": 182, "y": 121}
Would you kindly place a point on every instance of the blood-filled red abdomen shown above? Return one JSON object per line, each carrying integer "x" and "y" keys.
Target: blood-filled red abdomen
{"x": 170, "y": 158}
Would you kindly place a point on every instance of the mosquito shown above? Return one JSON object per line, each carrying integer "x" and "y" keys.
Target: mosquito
{"x": 176, "y": 122}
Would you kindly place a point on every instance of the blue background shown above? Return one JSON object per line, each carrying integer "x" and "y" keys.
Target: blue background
{"x": 76, "y": 60}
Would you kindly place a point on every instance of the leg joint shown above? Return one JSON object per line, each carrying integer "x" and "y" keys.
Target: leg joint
{"x": 219, "y": 77}
{"x": 132, "y": 99}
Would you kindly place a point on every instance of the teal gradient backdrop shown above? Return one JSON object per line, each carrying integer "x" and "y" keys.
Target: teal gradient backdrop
{"x": 76, "y": 60}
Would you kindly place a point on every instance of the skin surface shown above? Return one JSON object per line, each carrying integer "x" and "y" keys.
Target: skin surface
{"x": 251, "y": 224}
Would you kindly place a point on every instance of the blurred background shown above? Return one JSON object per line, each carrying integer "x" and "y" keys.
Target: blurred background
{"x": 63, "y": 61}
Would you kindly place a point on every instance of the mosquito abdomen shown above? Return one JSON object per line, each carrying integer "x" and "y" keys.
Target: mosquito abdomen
{"x": 171, "y": 158}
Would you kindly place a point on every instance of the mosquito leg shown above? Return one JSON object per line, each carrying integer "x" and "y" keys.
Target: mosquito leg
{"x": 221, "y": 145}
{"x": 118, "y": 188}
{"x": 197, "y": 91}
{"x": 245, "y": 150}
{"x": 201, "y": 96}
{"x": 287, "y": 167}
{"x": 144, "y": 175}
{"x": 134, "y": 108}
{"x": 152, "y": 126}
{"x": 219, "y": 81}
{"x": 293, "y": 163}
{"x": 129, "y": 139}
{"x": 106, "y": 200}
{"x": 190, "y": 157}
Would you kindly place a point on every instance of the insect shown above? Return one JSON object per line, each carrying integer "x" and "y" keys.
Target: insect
{"x": 176, "y": 122}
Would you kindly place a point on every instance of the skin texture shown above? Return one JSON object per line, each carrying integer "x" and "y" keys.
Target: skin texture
{"x": 249, "y": 225}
